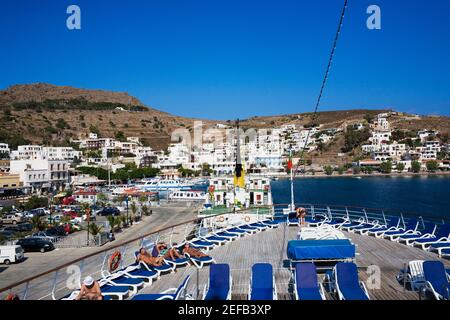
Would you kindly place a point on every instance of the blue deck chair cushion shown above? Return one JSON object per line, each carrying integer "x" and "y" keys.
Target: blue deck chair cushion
{"x": 219, "y": 282}
{"x": 262, "y": 282}
{"x": 434, "y": 272}
{"x": 107, "y": 288}
{"x": 348, "y": 281}
{"x": 127, "y": 281}
{"x": 154, "y": 296}
{"x": 306, "y": 281}
{"x": 142, "y": 273}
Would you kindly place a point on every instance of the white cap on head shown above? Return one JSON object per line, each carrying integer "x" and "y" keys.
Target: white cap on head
{"x": 88, "y": 281}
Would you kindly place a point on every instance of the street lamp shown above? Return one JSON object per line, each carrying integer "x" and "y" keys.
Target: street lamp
{"x": 126, "y": 202}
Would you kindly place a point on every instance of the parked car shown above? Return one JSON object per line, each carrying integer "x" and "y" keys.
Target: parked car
{"x": 11, "y": 254}
{"x": 55, "y": 218}
{"x": 35, "y": 244}
{"x": 71, "y": 214}
{"x": 22, "y": 227}
{"x": 58, "y": 231}
{"x": 44, "y": 235}
{"x": 39, "y": 212}
{"x": 8, "y": 234}
{"x": 108, "y": 211}
{"x": 11, "y": 219}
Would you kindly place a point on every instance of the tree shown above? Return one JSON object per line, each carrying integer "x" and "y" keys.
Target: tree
{"x": 95, "y": 229}
{"x": 145, "y": 210}
{"x": 354, "y": 138}
{"x": 369, "y": 118}
{"x": 400, "y": 167}
{"x": 328, "y": 170}
{"x": 133, "y": 208}
{"x": 340, "y": 170}
{"x": 356, "y": 170}
{"x": 206, "y": 169}
{"x": 37, "y": 223}
{"x": 432, "y": 166}
{"x": 102, "y": 198}
{"x": 415, "y": 166}
{"x": 386, "y": 167}
{"x": 113, "y": 222}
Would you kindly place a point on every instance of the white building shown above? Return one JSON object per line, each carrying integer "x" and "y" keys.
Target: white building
{"x": 41, "y": 174}
{"x": 4, "y": 150}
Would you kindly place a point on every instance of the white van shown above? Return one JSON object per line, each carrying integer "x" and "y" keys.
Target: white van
{"x": 10, "y": 254}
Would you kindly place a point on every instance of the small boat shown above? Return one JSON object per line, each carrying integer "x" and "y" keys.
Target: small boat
{"x": 163, "y": 185}
{"x": 191, "y": 195}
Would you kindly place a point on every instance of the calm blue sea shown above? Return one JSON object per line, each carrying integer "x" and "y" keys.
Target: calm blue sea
{"x": 422, "y": 195}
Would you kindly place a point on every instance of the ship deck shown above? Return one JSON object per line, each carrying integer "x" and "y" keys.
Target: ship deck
{"x": 270, "y": 247}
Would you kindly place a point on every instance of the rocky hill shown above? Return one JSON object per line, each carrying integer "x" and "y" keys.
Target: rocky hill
{"x": 52, "y": 115}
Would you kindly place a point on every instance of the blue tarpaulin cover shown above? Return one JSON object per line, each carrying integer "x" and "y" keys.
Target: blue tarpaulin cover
{"x": 320, "y": 249}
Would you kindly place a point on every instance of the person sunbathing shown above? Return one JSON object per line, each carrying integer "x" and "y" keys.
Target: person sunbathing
{"x": 90, "y": 290}
{"x": 166, "y": 252}
{"x": 145, "y": 257}
{"x": 193, "y": 252}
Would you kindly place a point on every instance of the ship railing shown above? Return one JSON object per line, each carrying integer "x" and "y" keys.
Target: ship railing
{"x": 62, "y": 280}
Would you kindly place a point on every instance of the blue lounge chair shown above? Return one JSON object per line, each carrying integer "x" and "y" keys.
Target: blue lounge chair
{"x": 215, "y": 239}
{"x": 262, "y": 283}
{"x": 270, "y": 223}
{"x": 366, "y": 226}
{"x": 163, "y": 269}
{"x": 241, "y": 232}
{"x": 346, "y": 282}
{"x": 114, "y": 291}
{"x": 227, "y": 234}
{"x": 134, "y": 284}
{"x": 442, "y": 249}
{"x": 202, "y": 261}
{"x": 352, "y": 224}
{"x": 335, "y": 222}
{"x": 220, "y": 282}
{"x": 202, "y": 244}
{"x": 427, "y": 233}
{"x": 137, "y": 271}
{"x": 441, "y": 238}
{"x": 378, "y": 232}
{"x": 170, "y": 294}
{"x": 411, "y": 228}
{"x": 260, "y": 225}
{"x": 307, "y": 287}
{"x": 249, "y": 229}
{"x": 436, "y": 280}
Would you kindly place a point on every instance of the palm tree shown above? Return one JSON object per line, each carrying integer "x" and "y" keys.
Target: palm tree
{"x": 112, "y": 222}
{"x": 37, "y": 223}
{"x": 123, "y": 219}
{"x": 145, "y": 210}
{"x": 133, "y": 208}
{"x": 95, "y": 229}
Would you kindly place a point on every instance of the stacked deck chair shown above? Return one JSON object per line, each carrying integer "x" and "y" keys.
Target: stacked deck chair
{"x": 378, "y": 232}
{"x": 436, "y": 280}
{"x": 411, "y": 228}
{"x": 346, "y": 284}
{"x": 220, "y": 283}
{"x": 440, "y": 239}
{"x": 262, "y": 283}
{"x": 412, "y": 276}
{"x": 426, "y": 233}
{"x": 169, "y": 294}
{"x": 270, "y": 223}
{"x": 247, "y": 228}
{"x": 307, "y": 286}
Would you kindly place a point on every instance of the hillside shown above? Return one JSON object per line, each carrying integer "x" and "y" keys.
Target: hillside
{"x": 52, "y": 115}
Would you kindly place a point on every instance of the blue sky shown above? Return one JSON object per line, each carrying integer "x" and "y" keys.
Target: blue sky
{"x": 225, "y": 59}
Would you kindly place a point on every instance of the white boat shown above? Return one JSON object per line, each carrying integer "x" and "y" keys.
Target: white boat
{"x": 162, "y": 185}
{"x": 187, "y": 195}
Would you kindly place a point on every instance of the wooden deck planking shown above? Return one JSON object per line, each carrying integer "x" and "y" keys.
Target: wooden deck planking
{"x": 270, "y": 247}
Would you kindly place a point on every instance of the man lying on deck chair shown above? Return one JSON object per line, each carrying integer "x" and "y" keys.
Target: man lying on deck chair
{"x": 196, "y": 253}
{"x": 147, "y": 258}
{"x": 90, "y": 290}
{"x": 168, "y": 253}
